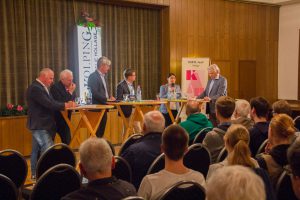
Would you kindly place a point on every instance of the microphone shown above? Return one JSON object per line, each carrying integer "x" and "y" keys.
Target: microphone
{"x": 172, "y": 84}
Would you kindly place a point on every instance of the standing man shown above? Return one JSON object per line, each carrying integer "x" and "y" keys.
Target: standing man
{"x": 41, "y": 107}
{"x": 126, "y": 87}
{"x": 63, "y": 91}
{"x": 98, "y": 84}
{"x": 216, "y": 87}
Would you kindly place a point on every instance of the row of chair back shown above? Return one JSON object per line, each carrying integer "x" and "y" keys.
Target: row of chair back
{"x": 13, "y": 171}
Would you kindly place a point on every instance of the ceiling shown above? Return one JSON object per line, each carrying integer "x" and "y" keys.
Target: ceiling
{"x": 277, "y": 2}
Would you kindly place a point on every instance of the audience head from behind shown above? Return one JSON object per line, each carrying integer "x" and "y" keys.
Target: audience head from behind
{"x": 46, "y": 76}
{"x": 242, "y": 109}
{"x": 259, "y": 109}
{"x": 174, "y": 142}
{"x": 293, "y": 155}
{"x": 154, "y": 121}
{"x": 225, "y": 107}
{"x": 281, "y": 130}
{"x": 192, "y": 107}
{"x": 281, "y": 107}
{"x": 96, "y": 159}
{"x": 236, "y": 143}
{"x": 129, "y": 75}
{"x": 103, "y": 64}
{"x": 235, "y": 182}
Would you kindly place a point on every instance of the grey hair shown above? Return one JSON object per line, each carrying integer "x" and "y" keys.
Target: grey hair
{"x": 103, "y": 61}
{"x": 235, "y": 182}
{"x": 242, "y": 108}
{"x": 64, "y": 73}
{"x": 154, "y": 121}
{"x": 213, "y": 67}
{"x": 95, "y": 155}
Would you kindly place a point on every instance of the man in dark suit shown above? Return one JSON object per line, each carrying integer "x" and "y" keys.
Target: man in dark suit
{"x": 63, "y": 91}
{"x": 41, "y": 107}
{"x": 216, "y": 87}
{"x": 126, "y": 87}
{"x": 100, "y": 94}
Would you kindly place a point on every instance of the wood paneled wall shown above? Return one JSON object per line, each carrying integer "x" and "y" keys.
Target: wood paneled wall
{"x": 225, "y": 31}
{"x": 15, "y": 135}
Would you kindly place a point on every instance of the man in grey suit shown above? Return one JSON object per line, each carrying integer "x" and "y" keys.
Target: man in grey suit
{"x": 126, "y": 87}
{"x": 100, "y": 94}
{"x": 216, "y": 87}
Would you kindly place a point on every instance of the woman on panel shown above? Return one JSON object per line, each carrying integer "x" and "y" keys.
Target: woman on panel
{"x": 170, "y": 91}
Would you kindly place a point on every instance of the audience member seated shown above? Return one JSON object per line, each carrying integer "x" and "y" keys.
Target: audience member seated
{"x": 281, "y": 130}
{"x": 174, "y": 145}
{"x": 214, "y": 139}
{"x": 96, "y": 162}
{"x": 235, "y": 182}
{"x": 196, "y": 121}
{"x": 236, "y": 142}
{"x": 241, "y": 114}
{"x": 259, "y": 132}
{"x": 141, "y": 154}
{"x": 281, "y": 107}
{"x": 293, "y": 155}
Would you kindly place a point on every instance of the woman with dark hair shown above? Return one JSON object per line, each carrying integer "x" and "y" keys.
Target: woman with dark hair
{"x": 170, "y": 91}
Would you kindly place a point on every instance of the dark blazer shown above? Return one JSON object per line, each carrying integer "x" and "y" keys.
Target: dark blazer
{"x": 41, "y": 107}
{"x": 122, "y": 88}
{"x": 218, "y": 89}
{"x": 59, "y": 93}
{"x": 97, "y": 88}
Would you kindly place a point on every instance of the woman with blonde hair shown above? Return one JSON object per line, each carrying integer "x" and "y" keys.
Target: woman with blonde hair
{"x": 281, "y": 131}
{"x": 236, "y": 141}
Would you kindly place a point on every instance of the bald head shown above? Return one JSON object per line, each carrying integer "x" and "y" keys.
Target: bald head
{"x": 192, "y": 107}
{"x": 154, "y": 121}
{"x": 46, "y": 76}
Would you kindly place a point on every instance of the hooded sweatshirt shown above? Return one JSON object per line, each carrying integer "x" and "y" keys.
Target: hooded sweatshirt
{"x": 195, "y": 123}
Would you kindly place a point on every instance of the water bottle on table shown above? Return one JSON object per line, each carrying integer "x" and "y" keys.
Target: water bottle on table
{"x": 138, "y": 93}
{"x": 88, "y": 96}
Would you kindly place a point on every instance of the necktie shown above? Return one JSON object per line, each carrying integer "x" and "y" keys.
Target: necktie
{"x": 210, "y": 86}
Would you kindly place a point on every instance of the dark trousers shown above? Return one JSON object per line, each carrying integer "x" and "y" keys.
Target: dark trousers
{"x": 62, "y": 128}
{"x": 213, "y": 119}
{"x": 101, "y": 129}
{"x": 167, "y": 117}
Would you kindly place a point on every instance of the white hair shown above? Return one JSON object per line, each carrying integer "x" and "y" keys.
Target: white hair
{"x": 242, "y": 108}
{"x": 63, "y": 74}
{"x": 154, "y": 121}
{"x": 235, "y": 182}
{"x": 95, "y": 155}
{"x": 213, "y": 67}
{"x": 103, "y": 61}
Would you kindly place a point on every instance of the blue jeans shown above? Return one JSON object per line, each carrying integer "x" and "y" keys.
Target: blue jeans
{"x": 41, "y": 140}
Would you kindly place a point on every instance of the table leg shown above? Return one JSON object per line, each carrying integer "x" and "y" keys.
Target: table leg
{"x": 179, "y": 112}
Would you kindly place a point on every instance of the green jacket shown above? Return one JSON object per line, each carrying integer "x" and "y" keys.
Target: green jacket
{"x": 195, "y": 123}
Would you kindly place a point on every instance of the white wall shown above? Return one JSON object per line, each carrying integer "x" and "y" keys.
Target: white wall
{"x": 288, "y": 51}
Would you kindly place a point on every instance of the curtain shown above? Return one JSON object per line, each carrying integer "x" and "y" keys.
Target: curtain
{"x": 38, "y": 33}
